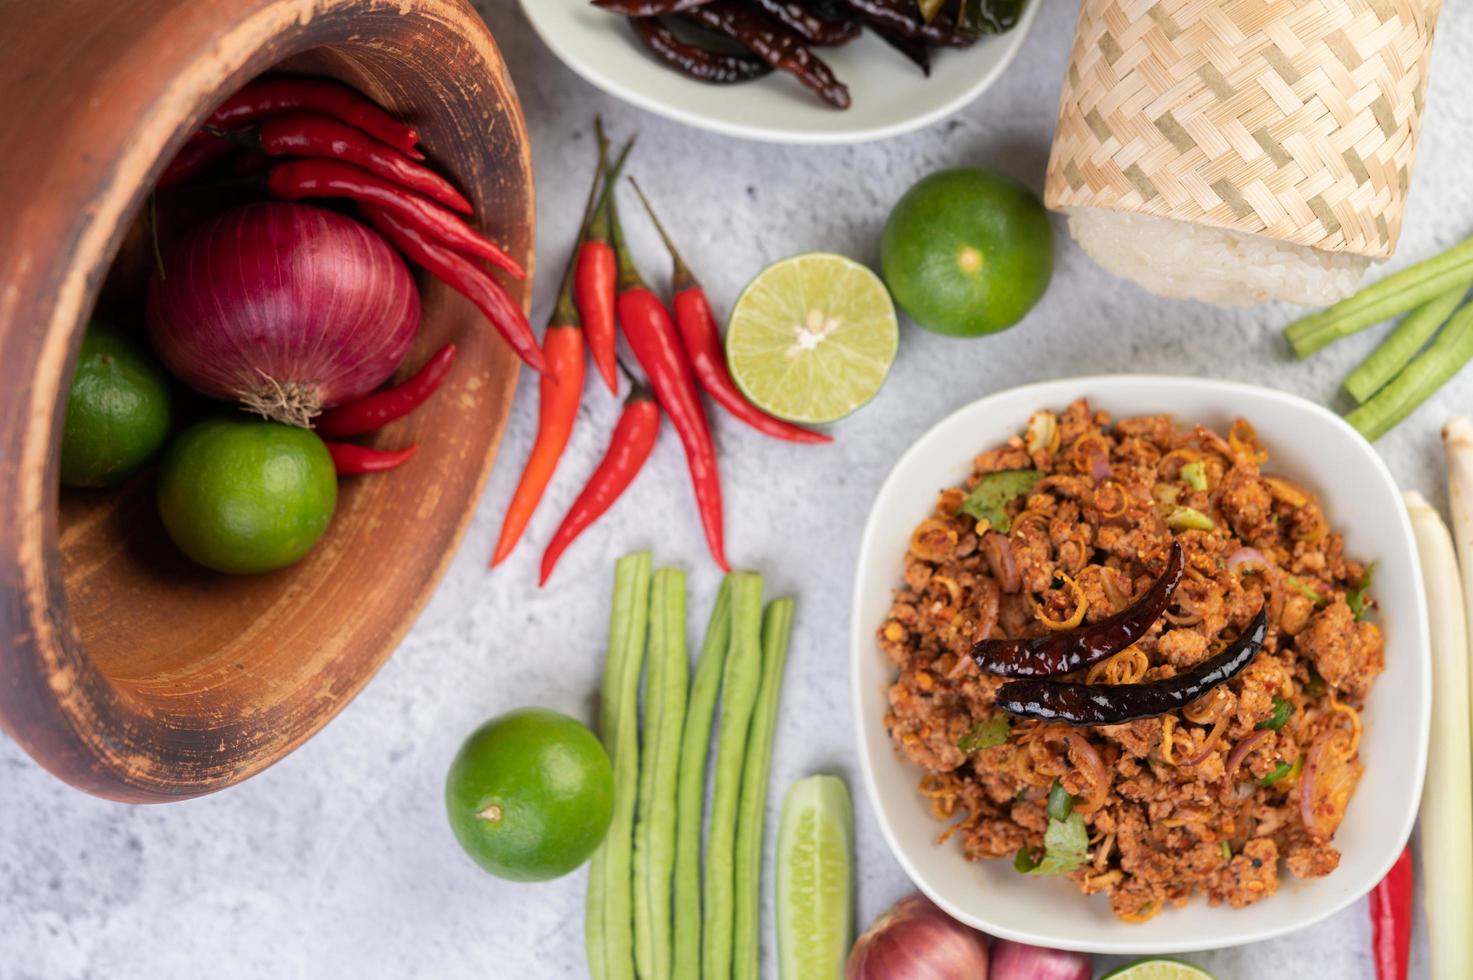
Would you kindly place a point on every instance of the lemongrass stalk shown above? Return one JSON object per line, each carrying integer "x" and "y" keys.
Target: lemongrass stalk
{"x": 1447, "y": 795}
{"x": 1392, "y": 296}
{"x": 1419, "y": 380}
{"x": 1403, "y": 344}
{"x": 1457, "y": 442}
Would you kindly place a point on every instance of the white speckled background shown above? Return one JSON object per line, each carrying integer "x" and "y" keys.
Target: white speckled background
{"x": 338, "y": 861}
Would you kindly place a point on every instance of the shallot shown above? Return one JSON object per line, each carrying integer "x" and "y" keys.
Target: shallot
{"x": 286, "y": 308}
{"x": 1019, "y": 961}
{"x": 915, "y": 940}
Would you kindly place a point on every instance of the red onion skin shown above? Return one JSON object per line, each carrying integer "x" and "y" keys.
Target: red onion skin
{"x": 1019, "y": 961}
{"x": 276, "y": 297}
{"x": 915, "y": 940}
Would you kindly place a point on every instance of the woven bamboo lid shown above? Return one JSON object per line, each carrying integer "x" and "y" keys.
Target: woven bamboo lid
{"x": 1295, "y": 119}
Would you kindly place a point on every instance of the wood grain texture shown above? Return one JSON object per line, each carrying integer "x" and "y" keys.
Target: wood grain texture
{"x": 125, "y": 670}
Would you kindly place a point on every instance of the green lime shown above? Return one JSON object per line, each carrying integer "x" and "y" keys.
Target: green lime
{"x": 1158, "y": 970}
{"x": 814, "y": 844}
{"x": 245, "y": 495}
{"x": 967, "y": 252}
{"x": 117, "y": 412}
{"x": 812, "y": 337}
{"x": 530, "y": 795}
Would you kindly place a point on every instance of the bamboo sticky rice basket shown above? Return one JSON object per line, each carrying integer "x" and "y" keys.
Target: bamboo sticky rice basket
{"x": 1291, "y": 119}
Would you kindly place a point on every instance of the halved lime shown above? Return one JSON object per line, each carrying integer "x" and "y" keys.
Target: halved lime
{"x": 812, "y": 337}
{"x": 1158, "y": 970}
{"x": 814, "y": 845}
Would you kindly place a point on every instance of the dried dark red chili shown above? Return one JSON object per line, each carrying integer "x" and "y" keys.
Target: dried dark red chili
{"x": 272, "y": 96}
{"x": 897, "y": 16}
{"x": 351, "y": 459}
{"x": 702, "y": 340}
{"x": 775, "y": 44}
{"x": 372, "y": 412}
{"x": 913, "y": 48}
{"x": 652, "y": 337}
{"x": 298, "y": 179}
{"x": 1391, "y": 919}
{"x": 309, "y": 134}
{"x": 809, "y": 26}
{"x": 1115, "y": 704}
{"x": 466, "y": 278}
{"x": 696, "y": 61}
{"x": 1071, "y": 650}
{"x": 647, "y": 8}
{"x": 633, "y": 440}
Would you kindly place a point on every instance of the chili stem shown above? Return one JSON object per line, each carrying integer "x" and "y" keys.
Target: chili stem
{"x": 1391, "y": 296}
{"x": 1419, "y": 380}
{"x": 1398, "y": 349}
{"x": 682, "y": 278}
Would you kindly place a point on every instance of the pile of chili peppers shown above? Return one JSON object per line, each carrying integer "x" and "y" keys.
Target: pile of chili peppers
{"x": 782, "y": 34}
{"x": 602, "y": 294}
{"x": 311, "y": 138}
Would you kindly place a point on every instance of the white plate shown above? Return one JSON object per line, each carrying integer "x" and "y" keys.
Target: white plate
{"x": 1309, "y": 445}
{"x": 890, "y": 95}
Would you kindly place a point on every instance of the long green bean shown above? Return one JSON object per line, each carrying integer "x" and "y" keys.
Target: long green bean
{"x": 1398, "y": 349}
{"x": 690, "y": 793}
{"x": 664, "y": 718}
{"x": 739, "y": 683}
{"x": 608, "y": 927}
{"x": 1392, "y": 296}
{"x": 1433, "y": 368}
{"x": 777, "y": 627}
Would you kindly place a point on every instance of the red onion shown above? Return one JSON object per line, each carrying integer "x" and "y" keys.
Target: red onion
{"x": 286, "y": 308}
{"x": 1017, "y": 961}
{"x": 999, "y": 552}
{"x": 915, "y": 940}
{"x": 1250, "y": 558}
{"x": 1240, "y": 751}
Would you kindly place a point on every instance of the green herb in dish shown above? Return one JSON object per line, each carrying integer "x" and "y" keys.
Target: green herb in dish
{"x": 989, "y": 498}
{"x": 1189, "y": 519}
{"x": 1283, "y": 710}
{"x": 1284, "y": 770}
{"x": 985, "y": 735}
{"x": 1227, "y": 851}
{"x": 1060, "y": 803}
{"x": 1358, "y": 597}
{"x": 1065, "y": 848}
{"x": 1194, "y": 474}
{"x": 1305, "y": 589}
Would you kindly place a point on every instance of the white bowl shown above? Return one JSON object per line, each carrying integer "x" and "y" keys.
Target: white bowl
{"x": 1309, "y": 445}
{"x": 890, "y": 95}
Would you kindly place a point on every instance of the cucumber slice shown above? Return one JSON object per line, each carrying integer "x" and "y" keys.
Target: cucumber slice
{"x": 815, "y": 925}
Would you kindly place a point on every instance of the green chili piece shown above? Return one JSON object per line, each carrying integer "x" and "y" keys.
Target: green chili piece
{"x": 1283, "y": 710}
{"x": 1189, "y": 519}
{"x": 1194, "y": 474}
{"x": 1060, "y": 803}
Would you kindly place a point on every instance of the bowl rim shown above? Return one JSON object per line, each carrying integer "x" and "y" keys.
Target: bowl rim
{"x": 609, "y": 83}
{"x": 1099, "y": 388}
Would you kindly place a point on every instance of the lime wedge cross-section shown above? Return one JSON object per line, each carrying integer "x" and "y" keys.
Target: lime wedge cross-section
{"x": 812, "y": 337}
{"x": 1158, "y": 970}
{"x": 814, "y": 883}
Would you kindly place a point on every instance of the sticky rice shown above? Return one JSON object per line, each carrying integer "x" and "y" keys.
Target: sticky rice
{"x": 1186, "y": 260}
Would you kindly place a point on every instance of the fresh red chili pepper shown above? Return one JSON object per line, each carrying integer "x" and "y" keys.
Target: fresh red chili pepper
{"x": 559, "y": 392}
{"x": 372, "y": 412}
{"x": 1066, "y": 651}
{"x": 466, "y": 278}
{"x": 308, "y": 134}
{"x": 193, "y": 159}
{"x": 266, "y": 97}
{"x": 298, "y": 179}
{"x": 652, "y": 337}
{"x": 631, "y": 444}
{"x": 594, "y": 281}
{"x": 351, "y": 459}
{"x": 1391, "y": 919}
{"x": 702, "y": 339}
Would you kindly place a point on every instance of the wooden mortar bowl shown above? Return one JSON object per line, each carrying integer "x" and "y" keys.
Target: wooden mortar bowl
{"x": 124, "y": 669}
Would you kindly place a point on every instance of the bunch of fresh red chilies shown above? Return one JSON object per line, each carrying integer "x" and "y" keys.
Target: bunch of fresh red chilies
{"x": 602, "y": 288}
{"x": 311, "y": 138}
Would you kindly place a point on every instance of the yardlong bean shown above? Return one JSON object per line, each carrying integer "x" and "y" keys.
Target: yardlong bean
{"x": 664, "y": 718}
{"x": 608, "y": 926}
{"x": 690, "y": 794}
{"x": 777, "y": 626}
{"x": 741, "y": 678}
